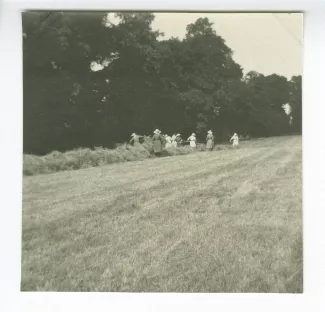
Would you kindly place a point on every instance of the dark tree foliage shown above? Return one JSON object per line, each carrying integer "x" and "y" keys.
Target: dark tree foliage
{"x": 189, "y": 85}
{"x": 296, "y": 103}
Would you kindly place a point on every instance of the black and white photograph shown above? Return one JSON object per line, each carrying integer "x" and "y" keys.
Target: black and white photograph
{"x": 162, "y": 152}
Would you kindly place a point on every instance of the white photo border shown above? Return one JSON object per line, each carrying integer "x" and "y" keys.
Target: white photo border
{"x": 11, "y": 176}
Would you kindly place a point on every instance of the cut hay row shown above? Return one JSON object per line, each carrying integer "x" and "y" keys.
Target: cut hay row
{"x": 99, "y": 156}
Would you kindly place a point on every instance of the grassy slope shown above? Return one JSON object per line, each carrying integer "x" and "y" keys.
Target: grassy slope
{"x": 226, "y": 221}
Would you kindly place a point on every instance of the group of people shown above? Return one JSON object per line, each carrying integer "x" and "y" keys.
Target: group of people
{"x": 170, "y": 141}
{"x": 160, "y": 140}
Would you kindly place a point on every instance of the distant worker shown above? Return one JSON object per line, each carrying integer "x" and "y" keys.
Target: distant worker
{"x": 174, "y": 143}
{"x": 135, "y": 139}
{"x": 163, "y": 136}
{"x": 235, "y": 140}
{"x": 168, "y": 140}
{"x": 192, "y": 140}
{"x": 210, "y": 141}
{"x": 178, "y": 140}
{"x": 157, "y": 142}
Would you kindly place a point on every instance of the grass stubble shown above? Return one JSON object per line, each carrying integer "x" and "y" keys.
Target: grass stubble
{"x": 223, "y": 221}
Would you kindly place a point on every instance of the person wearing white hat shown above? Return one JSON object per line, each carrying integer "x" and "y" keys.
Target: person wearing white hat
{"x": 235, "y": 140}
{"x": 157, "y": 142}
{"x": 135, "y": 139}
{"x": 210, "y": 141}
{"x": 192, "y": 140}
{"x": 178, "y": 140}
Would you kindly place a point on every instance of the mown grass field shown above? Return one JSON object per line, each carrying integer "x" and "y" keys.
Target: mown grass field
{"x": 224, "y": 221}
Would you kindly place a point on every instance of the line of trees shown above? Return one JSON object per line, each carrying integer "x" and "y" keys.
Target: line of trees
{"x": 143, "y": 83}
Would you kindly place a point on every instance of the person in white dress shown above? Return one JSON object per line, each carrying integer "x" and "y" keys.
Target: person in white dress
{"x": 192, "y": 140}
{"x": 235, "y": 140}
{"x": 168, "y": 140}
{"x": 178, "y": 140}
{"x": 174, "y": 143}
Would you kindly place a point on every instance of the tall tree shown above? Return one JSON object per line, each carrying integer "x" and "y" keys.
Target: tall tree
{"x": 268, "y": 95}
{"x": 58, "y": 49}
{"x": 296, "y": 103}
{"x": 91, "y": 81}
{"x": 207, "y": 68}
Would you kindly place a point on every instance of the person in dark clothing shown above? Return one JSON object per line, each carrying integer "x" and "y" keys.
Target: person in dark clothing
{"x": 157, "y": 140}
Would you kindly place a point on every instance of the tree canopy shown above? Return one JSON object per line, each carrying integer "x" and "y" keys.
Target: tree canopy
{"x": 91, "y": 82}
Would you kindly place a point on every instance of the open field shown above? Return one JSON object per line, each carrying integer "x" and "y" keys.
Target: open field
{"x": 225, "y": 221}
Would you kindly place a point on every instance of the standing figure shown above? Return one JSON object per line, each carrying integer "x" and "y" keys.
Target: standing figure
{"x": 135, "y": 139}
{"x": 192, "y": 140}
{"x": 174, "y": 143}
{"x": 235, "y": 140}
{"x": 210, "y": 141}
{"x": 178, "y": 140}
{"x": 163, "y": 137}
{"x": 157, "y": 142}
{"x": 168, "y": 140}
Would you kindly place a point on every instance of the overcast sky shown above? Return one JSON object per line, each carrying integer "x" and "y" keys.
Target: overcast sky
{"x": 265, "y": 42}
